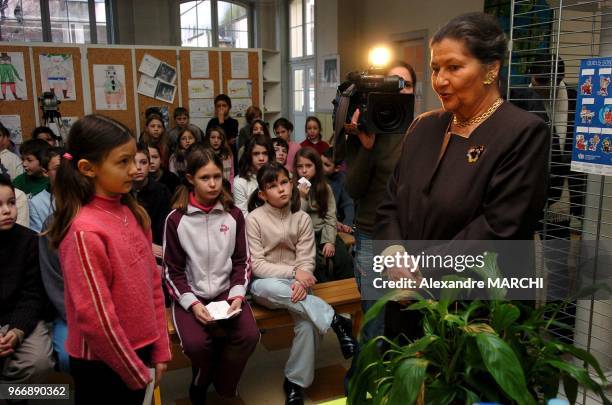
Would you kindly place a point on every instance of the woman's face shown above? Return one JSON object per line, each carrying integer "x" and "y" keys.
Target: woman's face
{"x": 404, "y": 74}
{"x": 457, "y": 77}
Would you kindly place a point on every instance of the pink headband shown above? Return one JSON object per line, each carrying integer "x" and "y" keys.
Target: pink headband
{"x": 67, "y": 156}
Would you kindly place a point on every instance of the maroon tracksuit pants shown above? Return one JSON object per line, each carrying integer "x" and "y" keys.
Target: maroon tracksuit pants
{"x": 220, "y": 362}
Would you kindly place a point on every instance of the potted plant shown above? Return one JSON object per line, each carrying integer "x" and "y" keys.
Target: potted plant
{"x": 473, "y": 351}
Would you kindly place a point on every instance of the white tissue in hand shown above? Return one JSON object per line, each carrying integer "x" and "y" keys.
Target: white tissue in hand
{"x": 304, "y": 180}
{"x": 218, "y": 310}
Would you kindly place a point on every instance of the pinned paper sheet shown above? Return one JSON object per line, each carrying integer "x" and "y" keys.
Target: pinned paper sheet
{"x": 201, "y": 88}
{"x": 218, "y": 310}
{"x": 240, "y": 65}
{"x": 199, "y": 63}
{"x": 239, "y": 88}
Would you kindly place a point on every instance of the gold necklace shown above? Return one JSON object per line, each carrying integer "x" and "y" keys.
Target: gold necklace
{"x": 481, "y": 117}
{"x": 123, "y": 220}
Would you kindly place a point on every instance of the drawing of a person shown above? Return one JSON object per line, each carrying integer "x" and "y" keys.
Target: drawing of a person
{"x": 8, "y": 74}
{"x": 604, "y": 82}
{"x": 580, "y": 144}
{"x": 593, "y": 142}
{"x": 586, "y": 115}
{"x": 57, "y": 76}
{"x": 587, "y": 87}
{"x": 113, "y": 88}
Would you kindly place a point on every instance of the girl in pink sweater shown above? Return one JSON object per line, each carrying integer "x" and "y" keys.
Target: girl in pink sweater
{"x": 114, "y": 302}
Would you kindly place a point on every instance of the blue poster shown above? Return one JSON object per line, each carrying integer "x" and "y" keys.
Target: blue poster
{"x": 592, "y": 151}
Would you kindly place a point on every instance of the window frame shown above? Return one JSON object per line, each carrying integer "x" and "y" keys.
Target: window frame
{"x": 214, "y": 15}
{"x": 45, "y": 21}
{"x": 303, "y": 24}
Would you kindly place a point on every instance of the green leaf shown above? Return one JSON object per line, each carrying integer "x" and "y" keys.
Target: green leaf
{"x": 503, "y": 316}
{"x": 504, "y": 366}
{"x": 477, "y": 328}
{"x": 395, "y": 295}
{"x": 408, "y": 378}
{"x": 571, "y": 388}
{"x": 471, "y": 397}
{"x": 418, "y": 345}
{"x": 582, "y": 355}
{"x": 438, "y": 393}
{"x": 578, "y": 373}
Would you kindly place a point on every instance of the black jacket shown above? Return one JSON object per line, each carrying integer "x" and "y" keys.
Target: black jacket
{"x": 22, "y": 296}
{"x": 155, "y": 198}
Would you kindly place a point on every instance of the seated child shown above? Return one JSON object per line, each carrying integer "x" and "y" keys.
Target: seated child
{"x": 217, "y": 268}
{"x": 258, "y": 127}
{"x": 152, "y": 195}
{"x": 345, "y": 209}
{"x": 47, "y": 135}
{"x": 252, "y": 113}
{"x": 32, "y": 181}
{"x": 25, "y": 345}
{"x": 282, "y": 245}
{"x": 280, "y": 150}
{"x": 158, "y": 173}
{"x": 223, "y": 105}
{"x": 317, "y": 200}
{"x": 10, "y": 163}
{"x": 216, "y": 140}
{"x": 40, "y": 204}
{"x": 177, "y": 160}
{"x": 283, "y": 128}
{"x": 314, "y": 139}
{"x": 258, "y": 152}
{"x": 181, "y": 119}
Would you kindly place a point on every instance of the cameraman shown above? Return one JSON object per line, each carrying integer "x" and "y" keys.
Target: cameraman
{"x": 370, "y": 160}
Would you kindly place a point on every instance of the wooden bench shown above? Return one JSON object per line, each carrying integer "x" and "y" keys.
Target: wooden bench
{"x": 342, "y": 295}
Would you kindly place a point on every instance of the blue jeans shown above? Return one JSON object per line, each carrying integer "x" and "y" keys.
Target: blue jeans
{"x": 364, "y": 250}
{"x": 60, "y": 333}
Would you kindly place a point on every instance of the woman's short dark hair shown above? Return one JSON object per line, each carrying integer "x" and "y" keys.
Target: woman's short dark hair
{"x": 480, "y": 32}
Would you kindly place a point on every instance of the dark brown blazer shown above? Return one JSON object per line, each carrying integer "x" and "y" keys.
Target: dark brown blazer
{"x": 499, "y": 196}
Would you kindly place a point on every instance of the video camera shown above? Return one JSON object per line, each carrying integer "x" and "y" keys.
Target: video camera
{"x": 383, "y": 109}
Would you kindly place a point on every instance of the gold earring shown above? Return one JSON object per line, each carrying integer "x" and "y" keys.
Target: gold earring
{"x": 489, "y": 79}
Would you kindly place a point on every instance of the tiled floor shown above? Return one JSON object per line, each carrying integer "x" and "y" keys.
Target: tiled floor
{"x": 261, "y": 383}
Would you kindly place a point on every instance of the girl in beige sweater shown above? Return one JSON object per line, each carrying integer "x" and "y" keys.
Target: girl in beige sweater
{"x": 282, "y": 244}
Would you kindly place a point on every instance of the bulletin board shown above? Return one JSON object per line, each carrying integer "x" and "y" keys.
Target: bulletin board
{"x": 114, "y": 56}
{"x": 84, "y": 57}
{"x": 23, "y": 108}
{"x": 68, "y": 108}
{"x": 165, "y": 55}
{"x": 253, "y": 61}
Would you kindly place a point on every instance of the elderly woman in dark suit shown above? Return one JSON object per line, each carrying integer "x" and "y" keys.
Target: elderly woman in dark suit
{"x": 475, "y": 169}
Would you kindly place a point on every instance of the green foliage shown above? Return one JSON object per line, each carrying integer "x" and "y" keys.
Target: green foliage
{"x": 473, "y": 351}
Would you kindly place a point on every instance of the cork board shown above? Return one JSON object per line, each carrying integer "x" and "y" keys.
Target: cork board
{"x": 114, "y": 56}
{"x": 213, "y": 63}
{"x": 68, "y": 108}
{"x": 23, "y": 108}
{"x": 165, "y": 55}
{"x": 253, "y": 73}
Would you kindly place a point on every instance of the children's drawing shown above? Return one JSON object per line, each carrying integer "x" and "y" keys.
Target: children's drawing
{"x": 201, "y": 88}
{"x": 239, "y": 88}
{"x": 12, "y": 76}
{"x": 109, "y": 85}
{"x": 57, "y": 75}
{"x": 13, "y": 124}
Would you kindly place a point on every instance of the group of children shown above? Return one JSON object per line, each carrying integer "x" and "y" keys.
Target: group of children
{"x": 107, "y": 207}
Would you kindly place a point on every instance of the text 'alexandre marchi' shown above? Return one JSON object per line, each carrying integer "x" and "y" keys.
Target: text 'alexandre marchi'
{"x": 468, "y": 283}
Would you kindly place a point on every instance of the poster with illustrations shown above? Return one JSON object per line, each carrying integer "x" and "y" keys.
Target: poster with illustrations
{"x": 592, "y": 149}
{"x": 201, "y": 88}
{"x": 155, "y": 88}
{"x": 240, "y": 105}
{"x": 109, "y": 87}
{"x": 239, "y": 88}
{"x": 12, "y": 76}
{"x": 67, "y": 123}
{"x": 57, "y": 75}
{"x": 201, "y": 108}
{"x": 13, "y": 124}
{"x": 157, "y": 69}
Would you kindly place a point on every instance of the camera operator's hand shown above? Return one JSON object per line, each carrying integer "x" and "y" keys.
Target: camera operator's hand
{"x": 367, "y": 140}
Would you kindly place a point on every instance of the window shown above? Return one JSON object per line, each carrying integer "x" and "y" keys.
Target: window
{"x": 301, "y": 28}
{"x": 67, "y": 21}
{"x": 210, "y": 23}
